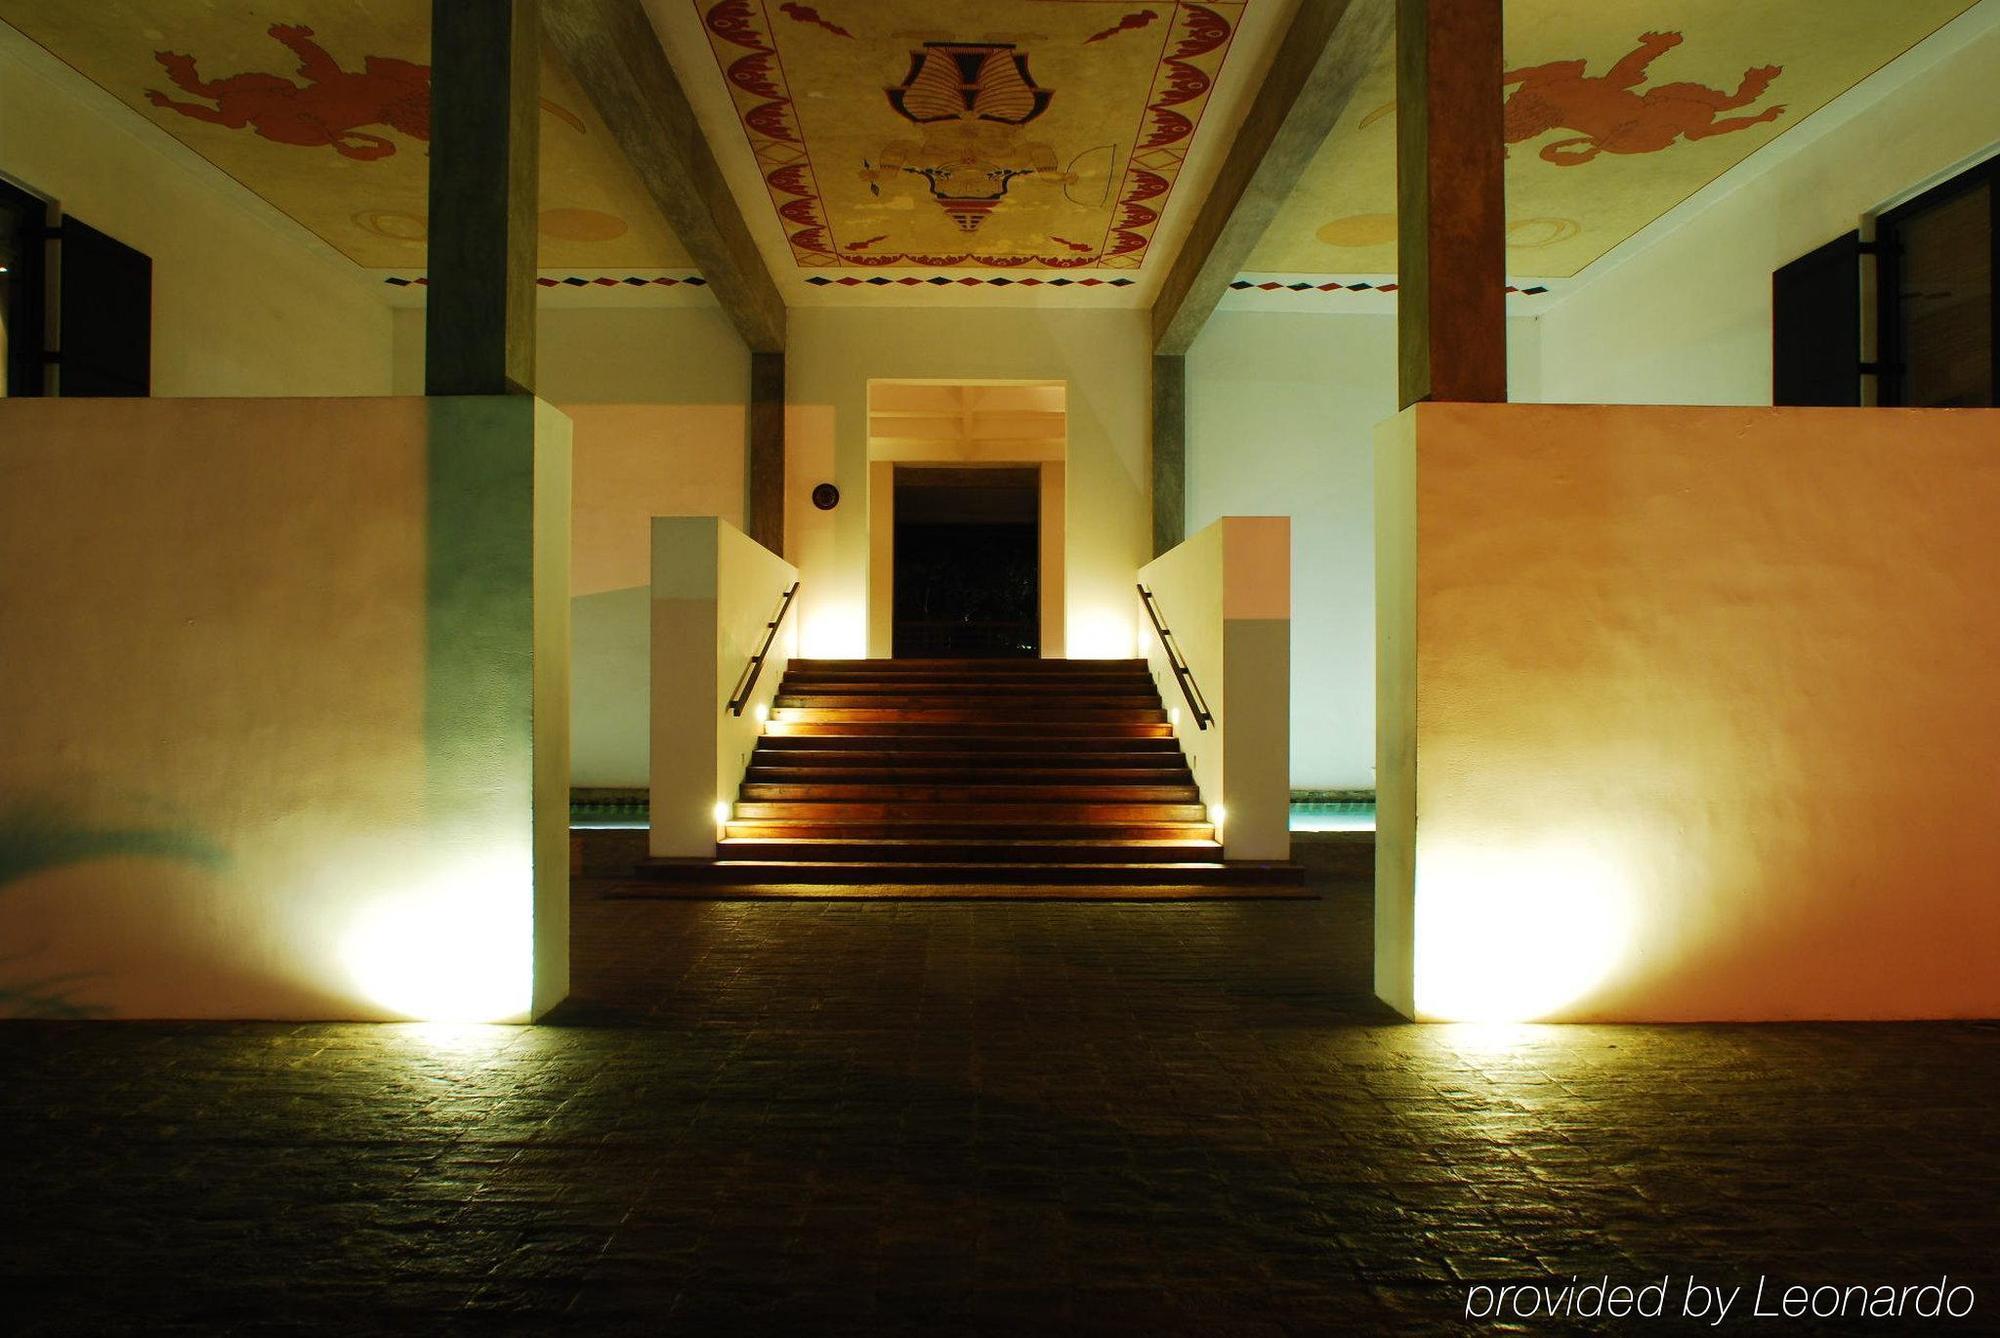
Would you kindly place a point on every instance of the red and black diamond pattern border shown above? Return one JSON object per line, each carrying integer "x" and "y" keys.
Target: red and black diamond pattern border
{"x": 1273, "y": 286}
{"x": 967, "y": 280}
{"x": 576, "y": 281}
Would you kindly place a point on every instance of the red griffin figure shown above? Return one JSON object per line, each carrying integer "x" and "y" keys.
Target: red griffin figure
{"x": 325, "y": 110}
{"x": 970, "y": 99}
{"x": 1615, "y": 119}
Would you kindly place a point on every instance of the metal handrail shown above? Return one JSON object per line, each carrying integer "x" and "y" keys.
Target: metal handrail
{"x": 1203, "y": 717}
{"x": 747, "y": 683}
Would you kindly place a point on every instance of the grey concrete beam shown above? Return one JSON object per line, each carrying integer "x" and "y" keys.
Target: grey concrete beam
{"x": 479, "y": 322}
{"x": 1323, "y": 58}
{"x": 614, "y": 54}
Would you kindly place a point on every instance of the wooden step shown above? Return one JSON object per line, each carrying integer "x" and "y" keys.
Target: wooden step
{"x": 903, "y": 698}
{"x": 893, "y": 831}
{"x": 1040, "y": 714}
{"x": 663, "y": 877}
{"x": 879, "y": 792}
{"x": 801, "y": 664}
{"x": 1052, "y": 815}
{"x": 779, "y": 769}
{"x": 873, "y": 853}
{"x": 966, "y": 729}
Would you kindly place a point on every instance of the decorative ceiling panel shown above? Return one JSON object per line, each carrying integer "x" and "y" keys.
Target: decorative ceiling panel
{"x": 1617, "y": 110}
{"x": 322, "y": 107}
{"x": 1016, "y": 134}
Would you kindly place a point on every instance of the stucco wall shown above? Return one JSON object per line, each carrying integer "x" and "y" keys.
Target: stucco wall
{"x": 657, "y": 398}
{"x": 245, "y": 302}
{"x": 1105, "y": 356}
{"x": 277, "y": 708}
{"x": 1683, "y": 316}
{"x": 1225, "y": 596}
{"x": 1281, "y": 411}
{"x": 1703, "y": 712}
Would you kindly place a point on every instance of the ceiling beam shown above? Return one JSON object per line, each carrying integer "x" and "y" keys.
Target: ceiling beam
{"x": 612, "y": 50}
{"x": 1322, "y": 59}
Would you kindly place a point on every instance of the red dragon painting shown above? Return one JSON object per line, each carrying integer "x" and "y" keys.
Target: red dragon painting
{"x": 1616, "y": 119}
{"x": 327, "y": 110}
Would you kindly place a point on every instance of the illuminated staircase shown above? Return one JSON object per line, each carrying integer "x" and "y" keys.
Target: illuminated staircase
{"x": 962, "y": 773}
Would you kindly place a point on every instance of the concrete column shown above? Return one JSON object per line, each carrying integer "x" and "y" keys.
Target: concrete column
{"x": 1169, "y": 451}
{"x": 1452, "y": 264}
{"x": 479, "y": 329}
{"x": 766, "y": 458}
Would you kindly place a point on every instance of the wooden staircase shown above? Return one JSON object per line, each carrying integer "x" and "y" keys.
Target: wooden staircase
{"x": 966, "y": 773}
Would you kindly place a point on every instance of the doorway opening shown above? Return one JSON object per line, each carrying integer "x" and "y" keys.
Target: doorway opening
{"x": 966, "y": 518}
{"x": 967, "y": 562}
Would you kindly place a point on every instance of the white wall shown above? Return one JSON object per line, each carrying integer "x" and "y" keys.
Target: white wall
{"x": 1281, "y": 413}
{"x": 1105, "y": 356}
{"x": 615, "y": 353}
{"x": 244, "y": 301}
{"x": 657, "y": 396}
{"x": 1683, "y": 314}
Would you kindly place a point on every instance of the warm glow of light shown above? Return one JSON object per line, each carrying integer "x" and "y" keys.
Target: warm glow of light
{"x": 723, "y": 809}
{"x": 457, "y": 948}
{"x": 763, "y": 713}
{"x": 1174, "y": 716}
{"x": 1101, "y": 636}
{"x": 1216, "y": 813}
{"x": 833, "y": 630}
{"x": 1517, "y": 933}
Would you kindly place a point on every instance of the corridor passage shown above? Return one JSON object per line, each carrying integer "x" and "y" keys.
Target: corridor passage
{"x": 993, "y": 1118}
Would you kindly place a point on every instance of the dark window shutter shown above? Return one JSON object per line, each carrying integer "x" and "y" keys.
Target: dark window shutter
{"x": 1816, "y": 326}
{"x": 106, "y": 317}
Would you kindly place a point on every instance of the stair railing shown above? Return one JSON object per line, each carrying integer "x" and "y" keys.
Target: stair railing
{"x": 1203, "y": 717}
{"x": 747, "y": 682}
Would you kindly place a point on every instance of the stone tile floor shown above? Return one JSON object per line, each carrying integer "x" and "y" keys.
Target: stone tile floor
{"x": 872, "y": 1118}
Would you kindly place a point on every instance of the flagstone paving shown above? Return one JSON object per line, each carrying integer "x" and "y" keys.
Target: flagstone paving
{"x": 1000, "y": 1118}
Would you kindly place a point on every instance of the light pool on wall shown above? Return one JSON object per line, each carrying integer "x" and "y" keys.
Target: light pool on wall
{"x": 1516, "y": 932}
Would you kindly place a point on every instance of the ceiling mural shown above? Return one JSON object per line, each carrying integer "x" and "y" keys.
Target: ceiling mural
{"x": 1016, "y": 134}
{"x": 322, "y": 107}
{"x": 1616, "y": 112}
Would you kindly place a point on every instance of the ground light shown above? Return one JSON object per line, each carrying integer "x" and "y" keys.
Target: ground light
{"x": 1516, "y": 933}
{"x": 456, "y": 948}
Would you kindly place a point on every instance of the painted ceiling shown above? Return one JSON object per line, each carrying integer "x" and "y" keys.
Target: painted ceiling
{"x": 871, "y": 141}
{"x": 1617, "y": 111}
{"x": 322, "y": 107}
{"x": 1009, "y": 134}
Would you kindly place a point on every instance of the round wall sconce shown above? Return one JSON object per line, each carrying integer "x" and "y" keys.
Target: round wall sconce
{"x": 826, "y": 497}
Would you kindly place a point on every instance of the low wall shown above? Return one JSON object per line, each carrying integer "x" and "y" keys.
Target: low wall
{"x": 715, "y": 590}
{"x": 1688, "y": 714}
{"x": 284, "y": 697}
{"x": 1225, "y": 593}
{"x": 634, "y": 462}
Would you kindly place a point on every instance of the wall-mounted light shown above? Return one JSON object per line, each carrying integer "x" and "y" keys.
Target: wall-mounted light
{"x": 763, "y": 713}
{"x": 722, "y": 812}
{"x": 1174, "y": 716}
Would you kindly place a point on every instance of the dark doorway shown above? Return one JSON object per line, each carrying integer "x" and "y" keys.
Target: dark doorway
{"x": 968, "y": 563}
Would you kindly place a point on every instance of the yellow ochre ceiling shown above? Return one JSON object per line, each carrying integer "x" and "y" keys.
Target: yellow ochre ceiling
{"x": 1617, "y": 111}
{"x": 322, "y": 107}
{"x": 1010, "y": 134}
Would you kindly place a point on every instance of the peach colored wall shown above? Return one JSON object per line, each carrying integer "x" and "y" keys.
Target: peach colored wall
{"x": 634, "y": 462}
{"x": 250, "y": 651}
{"x": 1704, "y": 713}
